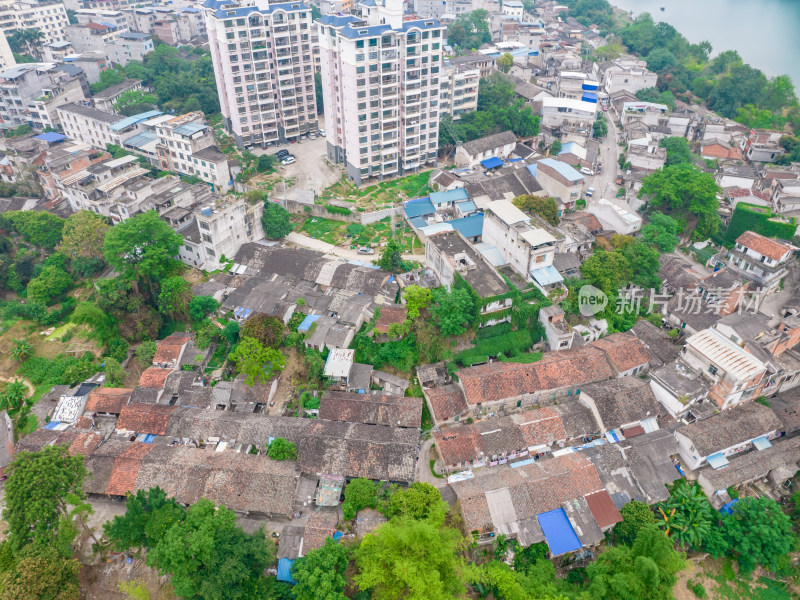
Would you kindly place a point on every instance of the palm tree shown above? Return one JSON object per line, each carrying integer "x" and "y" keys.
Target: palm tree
{"x": 26, "y": 41}
{"x": 13, "y": 399}
{"x": 22, "y": 350}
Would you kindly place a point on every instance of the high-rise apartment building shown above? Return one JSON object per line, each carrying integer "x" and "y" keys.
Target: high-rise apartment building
{"x": 264, "y": 69}
{"x": 381, "y": 84}
{"x": 50, "y": 18}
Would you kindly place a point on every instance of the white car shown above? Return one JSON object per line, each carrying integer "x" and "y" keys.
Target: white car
{"x": 365, "y": 250}
{"x": 321, "y": 132}
{"x": 312, "y": 136}
{"x": 586, "y": 171}
{"x": 589, "y": 192}
{"x": 289, "y": 160}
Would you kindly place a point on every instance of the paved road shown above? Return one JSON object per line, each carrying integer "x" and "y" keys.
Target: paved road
{"x": 603, "y": 183}
{"x": 423, "y": 471}
{"x": 320, "y": 246}
{"x": 773, "y": 303}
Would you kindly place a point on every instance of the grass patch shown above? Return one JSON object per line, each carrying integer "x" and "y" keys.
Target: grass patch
{"x": 61, "y": 331}
{"x": 528, "y": 357}
{"x": 427, "y": 420}
{"x": 327, "y": 230}
{"x": 434, "y": 473}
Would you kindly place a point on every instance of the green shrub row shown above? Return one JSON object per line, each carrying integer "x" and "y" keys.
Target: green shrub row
{"x": 338, "y": 210}
{"x": 510, "y": 344}
{"x": 748, "y": 217}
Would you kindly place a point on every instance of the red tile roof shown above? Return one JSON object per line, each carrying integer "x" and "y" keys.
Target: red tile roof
{"x": 763, "y": 245}
{"x": 390, "y": 315}
{"x": 624, "y": 351}
{"x": 169, "y": 349}
{"x": 144, "y": 418}
{"x": 108, "y": 400}
{"x": 320, "y": 525}
{"x": 154, "y": 377}
{"x": 603, "y": 509}
{"x": 84, "y": 443}
{"x": 458, "y": 444}
{"x": 542, "y": 426}
{"x": 83, "y": 423}
{"x": 126, "y": 468}
{"x": 633, "y": 431}
{"x": 723, "y": 151}
{"x": 445, "y": 401}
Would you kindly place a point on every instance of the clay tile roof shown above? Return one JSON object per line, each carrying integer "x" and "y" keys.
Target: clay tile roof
{"x": 145, "y": 418}
{"x": 603, "y": 509}
{"x": 542, "y": 426}
{"x": 445, "y": 401}
{"x": 378, "y": 409}
{"x": 108, "y": 400}
{"x": 97, "y": 26}
{"x": 84, "y": 443}
{"x": 390, "y": 315}
{"x": 320, "y": 525}
{"x": 169, "y": 349}
{"x": 154, "y": 377}
{"x": 731, "y": 427}
{"x": 763, "y": 245}
{"x": 718, "y": 150}
{"x": 83, "y": 423}
{"x": 624, "y": 351}
{"x": 623, "y": 401}
{"x": 126, "y": 469}
{"x": 458, "y": 444}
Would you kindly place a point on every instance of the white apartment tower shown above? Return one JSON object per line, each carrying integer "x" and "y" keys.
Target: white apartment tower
{"x": 381, "y": 83}
{"x": 264, "y": 69}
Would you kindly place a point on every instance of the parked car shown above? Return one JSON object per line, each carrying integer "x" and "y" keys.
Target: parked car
{"x": 586, "y": 171}
{"x": 589, "y": 192}
{"x": 365, "y": 250}
{"x": 312, "y": 136}
{"x": 302, "y": 137}
{"x": 321, "y": 132}
{"x": 288, "y": 161}
{"x": 281, "y": 154}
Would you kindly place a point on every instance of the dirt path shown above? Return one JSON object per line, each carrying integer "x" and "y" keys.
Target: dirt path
{"x": 294, "y": 365}
{"x": 320, "y": 246}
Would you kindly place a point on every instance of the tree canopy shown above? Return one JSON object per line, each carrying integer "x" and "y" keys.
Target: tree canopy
{"x": 547, "y": 208}
{"x": 320, "y": 573}
{"x": 453, "y": 310}
{"x": 275, "y": 221}
{"x": 267, "y": 329}
{"x": 256, "y": 362}
{"x": 470, "y": 30}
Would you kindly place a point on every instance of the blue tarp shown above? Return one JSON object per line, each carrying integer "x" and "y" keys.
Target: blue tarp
{"x": 590, "y": 86}
{"x": 306, "y": 324}
{"x": 728, "y": 508}
{"x": 547, "y": 275}
{"x": 761, "y": 443}
{"x": 717, "y": 461}
{"x": 492, "y": 163}
{"x": 52, "y": 424}
{"x": 469, "y": 227}
{"x": 522, "y": 463}
{"x": 558, "y": 532}
{"x": 285, "y": 570}
{"x": 338, "y": 535}
{"x": 589, "y": 97}
{"x": 50, "y": 137}
{"x": 419, "y": 208}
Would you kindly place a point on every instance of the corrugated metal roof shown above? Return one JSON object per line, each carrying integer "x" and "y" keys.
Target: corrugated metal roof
{"x": 558, "y": 532}
{"x": 469, "y": 227}
{"x": 603, "y": 509}
{"x": 725, "y": 354}
{"x": 563, "y": 169}
{"x": 449, "y": 196}
{"x": 190, "y": 128}
{"x": 120, "y": 125}
{"x": 418, "y": 208}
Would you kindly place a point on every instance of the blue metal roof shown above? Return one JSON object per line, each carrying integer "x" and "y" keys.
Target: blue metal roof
{"x": 728, "y": 508}
{"x": 190, "y": 128}
{"x": 419, "y": 207}
{"x": 567, "y": 148}
{"x": 717, "y": 461}
{"x": 563, "y": 169}
{"x": 306, "y": 324}
{"x": 426, "y": 24}
{"x": 492, "y": 163}
{"x": 285, "y": 570}
{"x": 547, "y": 275}
{"x": 51, "y": 136}
{"x": 140, "y": 140}
{"x": 467, "y": 206}
{"x": 133, "y": 35}
{"x": 364, "y": 32}
{"x": 120, "y": 125}
{"x": 418, "y": 222}
{"x": 589, "y": 97}
{"x": 558, "y": 532}
{"x": 469, "y": 227}
{"x": 761, "y": 443}
{"x": 449, "y": 196}
{"x": 336, "y": 20}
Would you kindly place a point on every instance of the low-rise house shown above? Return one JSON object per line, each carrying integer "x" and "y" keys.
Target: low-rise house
{"x": 559, "y": 180}
{"x": 681, "y": 390}
{"x": 445, "y": 399}
{"x": 624, "y": 407}
{"x": 373, "y": 408}
{"x": 130, "y": 46}
{"x": 560, "y": 336}
{"x": 660, "y": 346}
{"x": 786, "y": 196}
{"x": 712, "y": 440}
{"x": 629, "y": 74}
{"x": 99, "y": 128}
{"x": 626, "y": 354}
{"x": 646, "y": 157}
{"x": 614, "y": 217}
{"x": 499, "y": 145}
{"x": 764, "y": 261}
{"x": 762, "y": 145}
{"x": 715, "y": 149}
{"x": 559, "y": 111}
{"x": 106, "y": 99}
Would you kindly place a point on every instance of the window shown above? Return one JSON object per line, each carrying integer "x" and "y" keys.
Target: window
{"x": 712, "y": 369}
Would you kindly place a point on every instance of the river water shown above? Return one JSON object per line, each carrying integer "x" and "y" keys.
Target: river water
{"x": 766, "y": 33}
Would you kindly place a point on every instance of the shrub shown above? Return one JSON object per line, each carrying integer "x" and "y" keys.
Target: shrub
{"x": 748, "y": 217}
{"x": 338, "y": 210}
{"x": 355, "y": 229}
{"x": 697, "y": 589}
{"x": 509, "y": 345}
{"x": 64, "y": 369}
{"x": 282, "y": 449}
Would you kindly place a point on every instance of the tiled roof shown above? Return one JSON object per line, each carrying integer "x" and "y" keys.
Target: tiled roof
{"x": 569, "y": 368}
{"x": 459, "y": 444}
{"x": 731, "y": 427}
{"x": 320, "y": 525}
{"x": 154, "y": 377}
{"x": 83, "y": 423}
{"x": 445, "y": 401}
{"x": 490, "y": 142}
{"x": 126, "y": 469}
{"x": 623, "y": 401}
{"x": 389, "y": 315}
{"x": 768, "y": 247}
{"x": 624, "y": 351}
{"x": 108, "y": 400}
{"x": 377, "y": 409}
{"x": 542, "y": 426}
{"x": 169, "y": 350}
{"x": 145, "y": 418}
{"x": 603, "y": 509}
{"x": 660, "y": 346}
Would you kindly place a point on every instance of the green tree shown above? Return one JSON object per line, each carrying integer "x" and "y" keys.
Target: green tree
{"x": 145, "y": 352}
{"x": 275, "y": 221}
{"x": 359, "y": 494}
{"x": 320, "y": 573}
{"x": 453, "y": 310}
{"x": 36, "y": 493}
{"x": 266, "y": 163}
{"x": 547, "y": 208}
{"x": 26, "y": 41}
{"x": 412, "y": 560}
{"x": 209, "y": 557}
{"x": 682, "y": 189}
{"x": 12, "y": 399}
{"x": 600, "y": 128}
{"x": 108, "y": 78}
{"x": 231, "y": 332}
{"x": 267, "y": 329}
{"x": 555, "y": 148}
{"x": 416, "y": 298}
{"x": 21, "y": 350}
{"x": 83, "y": 235}
{"x": 148, "y": 516}
{"x": 134, "y": 102}
{"x": 421, "y": 501}
{"x": 686, "y": 516}
{"x": 678, "y": 151}
{"x": 174, "y": 297}
{"x": 644, "y": 264}
{"x": 391, "y": 259}
{"x": 504, "y": 62}
{"x": 608, "y": 271}
{"x": 635, "y": 516}
{"x": 470, "y": 30}
{"x": 41, "y": 574}
{"x": 257, "y": 363}
{"x": 282, "y": 449}
{"x": 661, "y": 232}
{"x": 37, "y": 227}
{"x": 143, "y": 248}
{"x": 202, "y": 306}
{"x": 758, "y": 533}
{"x": 115, "y": 374}
{"x": 51, "y": 284}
